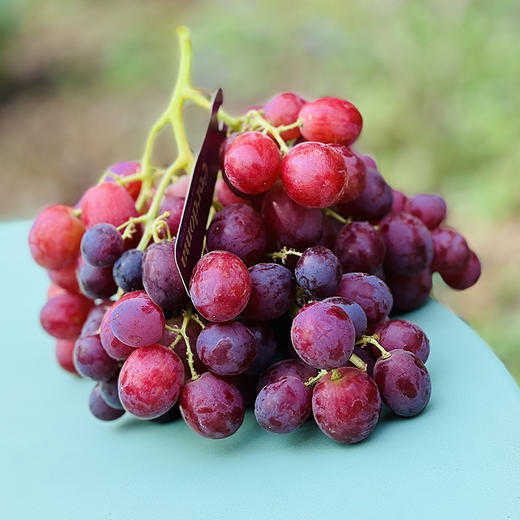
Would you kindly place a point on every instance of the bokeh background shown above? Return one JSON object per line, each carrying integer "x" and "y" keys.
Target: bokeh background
{"x": 437, "y": 82}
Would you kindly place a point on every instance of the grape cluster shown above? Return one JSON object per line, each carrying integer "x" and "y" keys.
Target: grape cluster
{"x": 307, "y": 253}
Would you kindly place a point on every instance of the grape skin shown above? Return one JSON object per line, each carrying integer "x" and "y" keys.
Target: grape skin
{"x": 266, "y": 347}
{"x": 429, "y": 208}
{"x": 451, "y": 251}
{"x": 96, "y": 282}
{"x": 91, "y": 359}
{"x": 63, "y": 315}
{"x": 286, "y": 368}
{"x": 65, "y": 278}
{"x": 354, "y": 311}
{"x": 283, "y": 110}
{"x": 113, "y": 347}
{"x": 405, "y": 335}
{"x": 102, "y": 245}
{"x": 128, "y": 270}
{"x": 466, "y": 277}
{"x": 64, "y": 354}
{"x": 409, "y": 292}
{"x": 109, "y": 393}
{"x": 100, "y": 409}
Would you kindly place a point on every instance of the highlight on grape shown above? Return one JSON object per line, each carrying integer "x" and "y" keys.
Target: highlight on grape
{"x": 307, "y": 254}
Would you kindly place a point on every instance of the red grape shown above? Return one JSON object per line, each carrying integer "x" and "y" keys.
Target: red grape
{"x": 356, "y": 173}
{"x": 404, "y": 383}
{"x": 331, "y": 120}
{"x": 174, "y": 206}
{"x": 96, "y": 282}
{"x": 113, "y": 347}
{"x": 398, "y": 201}
{"x": 367, "y": 356}
{"x": 91, "y": 359}
{"x": 405, "y": 335}
{"x": 55, "y": 237}
{"x": 287, "y": 368}
{"x": 94, "y": 318}
{"x": 179, "y": 189}
{"x": 150, "y": 381}
{"x": 64, "y": 354}
{"x": 265, "y": 347}
{"x": 110, "y": 393}
{"x": 220, "y": 286}
{"x": 252, "y": 163}
{"x": 63, "y": 315}
{"x": 346, "y": 408}
{"x": 99, "y": 407}
{"x": 354, "y": 311}
{"x": 451, "y": 251}
{"x": 410, "y": 292}
{"x": 465, "y": 277}
{"x": 314, "y": 175}
{"x": 65, "y": 278}
{"x": 283, "y": 110}
{"x": 54, "y": 290}
{"x": 212, "y": 407}
{"x": 125, "y": 169}
{"x": 431, "y": 209}
{"x": 323, "y": 335}
{"x": 102, "y": 245}
{"x": 225, "y": 196}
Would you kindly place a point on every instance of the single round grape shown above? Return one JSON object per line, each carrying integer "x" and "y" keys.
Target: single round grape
{"x": 137, "y": 321}
{"x": 128, "y": 270}
{"x": 65, "y": 278}
{"x": 252, "y": 163}
{"x": 314, "y": 175}
{"x": 356, "y": 173}
{"x": 467, "y": 276}
{"x": 283, "y": 110}
{"x": 323, "y": 335}
{"x": 354, "y": 311}
{"x": 102, "y": 245}
{"x": 272, "y": 292}
{"x": 64, "y": 354}
{"x": 409, "y": 245}
{"x": 430, "y": 209}
{"x": 226, "y": 143}
{"x": 94, "y": 318}
{"x": 374, "y": 202}
{"x": 174, "y": 206}
{"x": 409, "y": 292}
{"x": 404, "y": 383}
{"x": 371, "y": 293}
{"x": 369, "y": 161}
{"x": 54, "y": 290}
{"x": 100, "y": 409}
{"x": 55, "y": 237}
{"x": 360, "y": 247}
{"x": 289, "y": 224}
{"x": 287, "y": 368}
{"x": 398, "y": 201}
{"x": 367, "y": 356}
{"x": 451, "y": 251}
{"x": 109, "y": 392}
{"x": 179, "y": 188}
{"x": 107, "y": 203}
{"x": 283, "y": 406}
{"x": 150, "y": 381}
{"x": 265, "y": 347}
{"x": 212, "y": 407}
{"x": 318, "y": 271}
{"x": 331, "y": 120}
{"x": 193, "y": 330}
{"x": 220, "y": 286}
{"x": 63, "y": 315}
{"x": 96, "y": 282}
{"x": 225, "y": 196}
{"x": 227, "y": 349}
{"x": 161, "y": 278}
{"x": 346, "y": 405}
{"x": 239, "y": 229}
{"x": 113, "y": 347}
{"x": 91, "y": 359}
{"x": 125, "y": 169}
{"x": 403, "y": 335}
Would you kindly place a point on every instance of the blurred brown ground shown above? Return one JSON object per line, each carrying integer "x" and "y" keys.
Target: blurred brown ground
{"x": 437, "y": 83}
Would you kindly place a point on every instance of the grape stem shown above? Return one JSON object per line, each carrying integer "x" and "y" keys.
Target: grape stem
{"x": 358, "y": 362}
{"x": 283, "y": 254}
{"x": 331, "y": 213}
{"x": 373, "y": 340}
{"x": 316, "y": 378}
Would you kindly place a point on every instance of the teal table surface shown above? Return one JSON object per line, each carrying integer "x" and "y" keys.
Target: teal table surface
{"x": 459, "y": 459}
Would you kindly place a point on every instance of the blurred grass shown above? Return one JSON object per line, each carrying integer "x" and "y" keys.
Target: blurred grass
{"x": 437, "y": 83}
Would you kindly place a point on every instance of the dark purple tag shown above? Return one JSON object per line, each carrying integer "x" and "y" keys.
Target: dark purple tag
{"x": 190, "y": 237}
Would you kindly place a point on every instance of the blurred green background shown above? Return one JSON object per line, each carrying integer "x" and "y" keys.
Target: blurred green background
{"x": 437, "y": 82}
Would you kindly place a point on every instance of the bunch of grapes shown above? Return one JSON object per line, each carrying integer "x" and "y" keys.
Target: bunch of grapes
{"x": 307, "y": 252}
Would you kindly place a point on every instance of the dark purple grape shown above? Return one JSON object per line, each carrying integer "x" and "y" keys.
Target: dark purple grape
{"x": 97, "y": 282}
{"x": 100, "y": 409}
{"x": 174, "y": 206}
{"x": 283, "y": 406}
{"x": 466, "y": 277}
{"x": 272, "y": 292}
{"x": 91, "y": 360}
{"x": 93, "y": 321}
{"x": 374, "y": 202}
{"x": 239, "y": 229}
{"x": 354, "y": 311}
{"x": 323, "y": 335}
{"x": 227, "y": 349}
{"x": 404, "y": 383}
{"x": 170, "y": 416}
{"x": 289, "y": 224}
{"x": 409, "y": 245}
{"x": 451, "y": 251}
{"x": 109, "y": 393}
{"x": 102, "y": 245}
{"x": 246, "y": 385}
{"x": 431, "y": 209}
{"x": 403, "y": 335}
{"x": 128, "y": 270}
{"x": 371, "y": 293}
{"x": 161, "y": 278}
{"x": 398, "y": 201}
{"x": 409, "y": 292}
{"x": 318, "y": 271}
{"x": 359, "y": 247}
{"x": 367, "y": 356}
{"x": 331, "y": 228}
{"x": 346, "y": 405}
{"x": 212, "y": 407}
{"x": 265, "y": 347}
{"x": 287, "y": 368}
